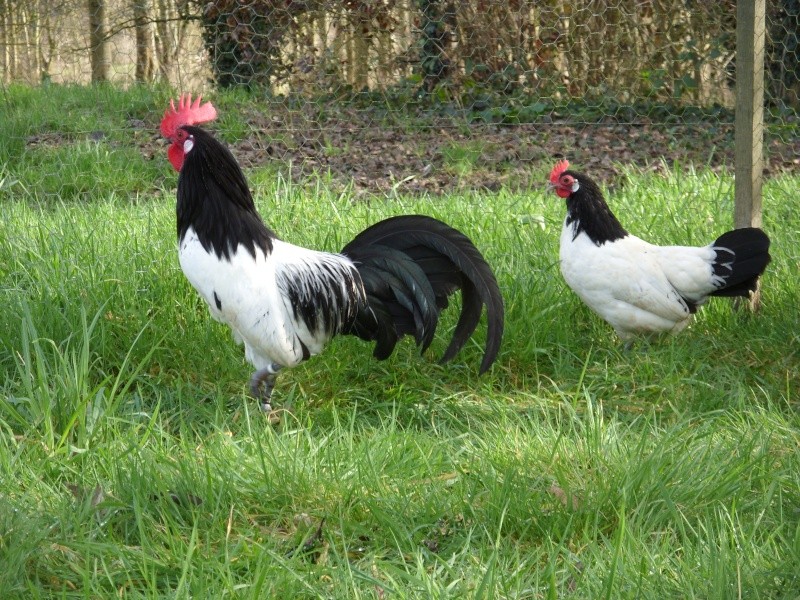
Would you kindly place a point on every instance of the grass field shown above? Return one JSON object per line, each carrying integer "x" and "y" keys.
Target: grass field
{"x": 133, "y": 464}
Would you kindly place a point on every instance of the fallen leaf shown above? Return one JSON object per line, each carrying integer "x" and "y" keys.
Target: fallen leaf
{"x": 567, "y": 500}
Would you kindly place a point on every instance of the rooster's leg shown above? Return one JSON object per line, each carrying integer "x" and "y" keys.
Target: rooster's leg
{"x": 261, "y": 384}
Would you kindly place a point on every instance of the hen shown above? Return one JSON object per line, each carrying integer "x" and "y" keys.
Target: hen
{"x": 638, "y": 287}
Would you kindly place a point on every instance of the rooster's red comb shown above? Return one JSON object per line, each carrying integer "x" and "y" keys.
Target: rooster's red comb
{"x": 560, "y": 167}
{"x": 187, "y": 113}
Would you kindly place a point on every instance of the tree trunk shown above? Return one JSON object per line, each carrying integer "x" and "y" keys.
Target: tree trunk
{"x": 144, "y": 50}
{"x": 169, "y": 35}
{"x": 46, "y": 50}
{"x": 10, "y": 39}
{"x": 26, "y": 23}
{"x": 4, "y": 41}
{"x": 97, "y": 42}
{"x": 36, "y": 35}
{"x": 360, "y": 56}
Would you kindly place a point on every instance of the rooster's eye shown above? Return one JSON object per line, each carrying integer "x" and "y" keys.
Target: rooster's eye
{"x": 566, "y": 181}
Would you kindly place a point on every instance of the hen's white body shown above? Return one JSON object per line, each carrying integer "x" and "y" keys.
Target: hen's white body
{"x": 637, "y": 286}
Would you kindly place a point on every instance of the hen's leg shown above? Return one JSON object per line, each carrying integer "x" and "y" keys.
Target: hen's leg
{"x": 262, "y": 382}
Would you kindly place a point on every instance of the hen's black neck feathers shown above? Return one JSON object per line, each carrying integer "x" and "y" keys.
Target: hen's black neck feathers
{"x": 214, "y": 199}
{"x": 588, "y": 213}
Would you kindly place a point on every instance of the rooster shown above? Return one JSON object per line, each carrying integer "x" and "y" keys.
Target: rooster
{"x": 285, "y": 302}
{"x": 637, "y": 287}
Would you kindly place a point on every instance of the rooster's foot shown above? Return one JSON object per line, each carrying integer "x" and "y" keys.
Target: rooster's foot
{"x": 262, "y": 383}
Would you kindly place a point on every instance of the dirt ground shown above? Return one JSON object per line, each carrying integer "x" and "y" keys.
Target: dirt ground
{"x": 440, "y": 155}
{"x": 436, "y": 155}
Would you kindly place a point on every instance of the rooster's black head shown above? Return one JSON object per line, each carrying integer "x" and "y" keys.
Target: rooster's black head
{"x": 214, "y": 199}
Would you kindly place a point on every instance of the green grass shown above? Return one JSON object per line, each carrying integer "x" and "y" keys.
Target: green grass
{"x": 133, "y": 464}
{"x": 462, "y": 158}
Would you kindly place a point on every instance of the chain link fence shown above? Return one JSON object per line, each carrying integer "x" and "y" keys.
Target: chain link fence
{"x": 437, "y": 94}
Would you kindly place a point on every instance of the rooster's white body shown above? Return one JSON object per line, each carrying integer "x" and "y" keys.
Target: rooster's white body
{"x": 251, "y": 295}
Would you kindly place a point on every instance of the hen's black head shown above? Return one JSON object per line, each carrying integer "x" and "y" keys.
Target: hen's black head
{"x": 587, "y": 210}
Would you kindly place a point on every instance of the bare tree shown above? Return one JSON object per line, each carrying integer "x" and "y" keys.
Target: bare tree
{"x": 172, "y": 22}
{"x": 97, "y": 40}
{"x": 47, "y": 48}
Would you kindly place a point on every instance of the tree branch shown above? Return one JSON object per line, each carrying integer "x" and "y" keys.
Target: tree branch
{"x": 132, "y": 24}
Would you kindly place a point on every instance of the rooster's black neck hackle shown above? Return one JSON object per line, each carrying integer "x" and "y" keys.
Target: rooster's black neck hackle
{"x": 214, "y": 199}
{"x": 587, "y": 212}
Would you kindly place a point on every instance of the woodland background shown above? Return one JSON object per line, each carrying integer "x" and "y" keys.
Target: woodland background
{"x": 490, "y": 85}
{"x": 629, "y": 49}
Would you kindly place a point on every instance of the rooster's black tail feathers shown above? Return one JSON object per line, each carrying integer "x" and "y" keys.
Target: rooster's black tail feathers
{"x": 409, "y": 266}
{"x": 742, "y": 256}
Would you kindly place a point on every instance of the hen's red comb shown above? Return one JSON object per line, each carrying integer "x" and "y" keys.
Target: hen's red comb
{"x": 560, "y": 167}
{"x": 188, "y": 113}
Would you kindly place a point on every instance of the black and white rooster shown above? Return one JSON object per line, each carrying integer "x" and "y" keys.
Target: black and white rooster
{"x": 637, "y": 287}
{"x": 285, "y": 302}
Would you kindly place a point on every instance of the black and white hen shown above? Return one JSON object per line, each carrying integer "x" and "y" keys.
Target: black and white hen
{"x": 639, "y": 287}
{"x": 285, "y": 302}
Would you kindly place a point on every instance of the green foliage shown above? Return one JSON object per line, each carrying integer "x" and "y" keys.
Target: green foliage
{"x": 434, "y": 37}
{"x": 243, "y": 41}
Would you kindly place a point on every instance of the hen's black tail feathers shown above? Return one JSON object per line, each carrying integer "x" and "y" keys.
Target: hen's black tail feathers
{"x": 742, "y": 255}
{"x": 409, "y": 266}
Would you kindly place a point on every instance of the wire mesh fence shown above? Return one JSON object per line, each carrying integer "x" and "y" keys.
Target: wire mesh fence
{"x": 500, "y": 84}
